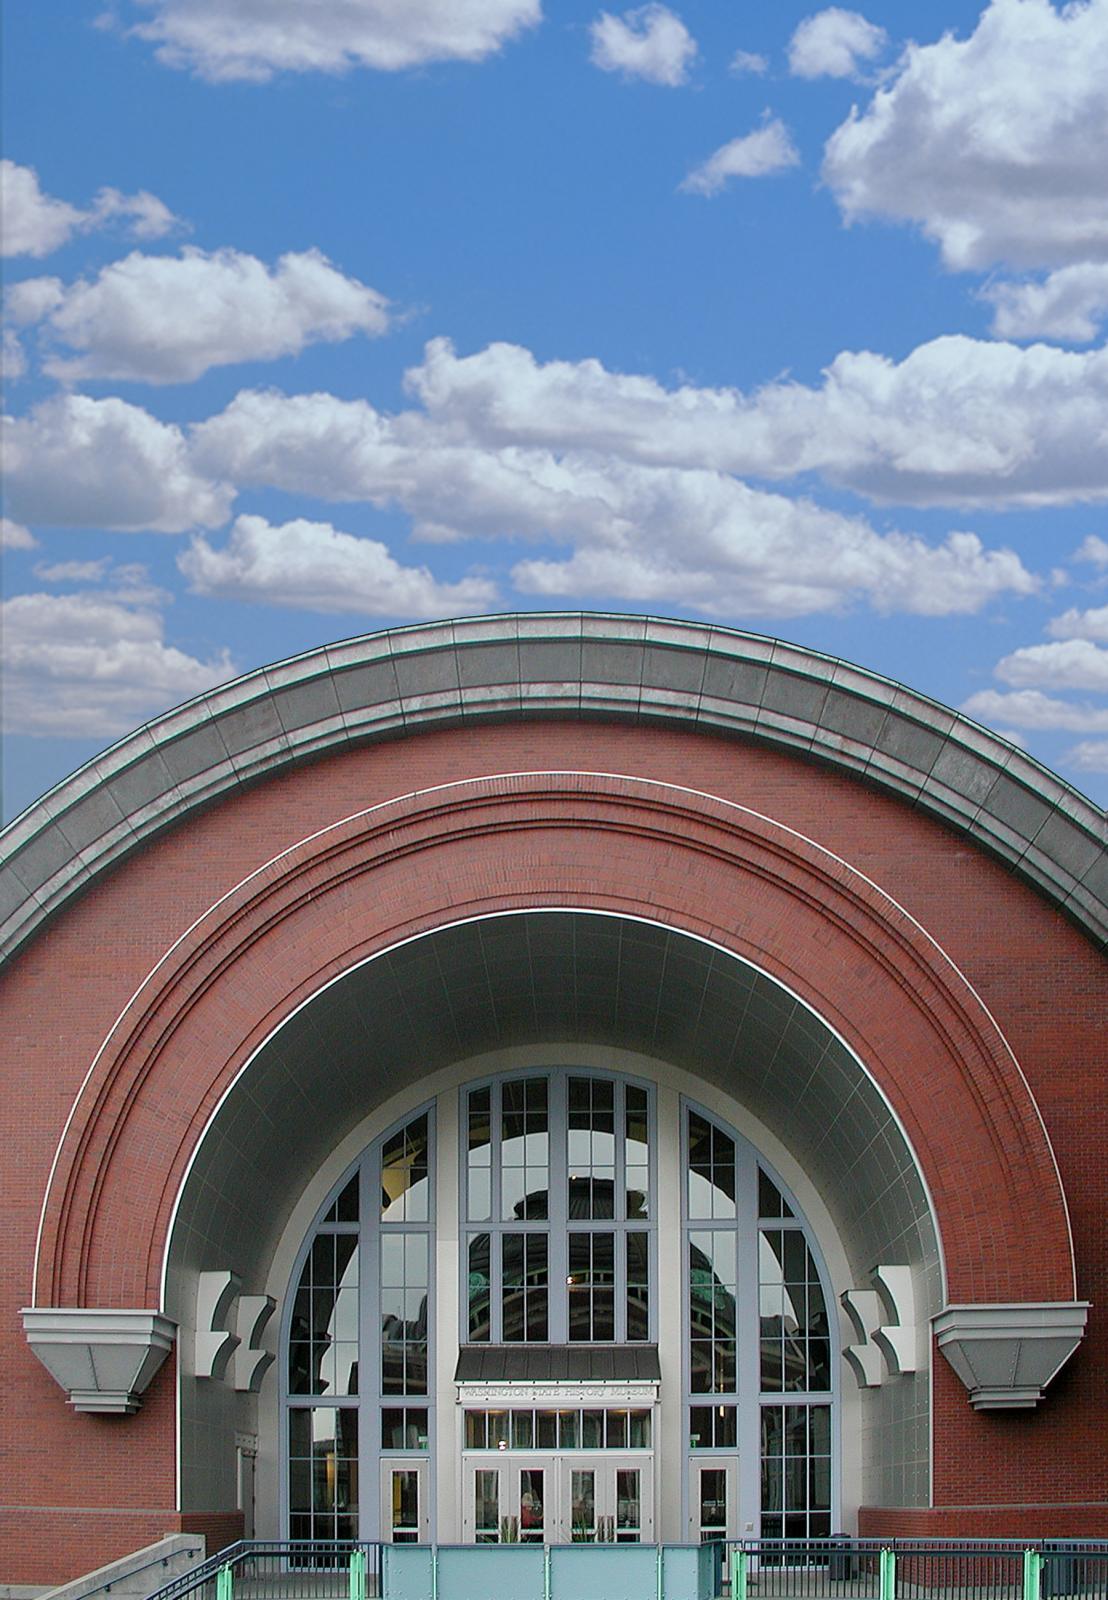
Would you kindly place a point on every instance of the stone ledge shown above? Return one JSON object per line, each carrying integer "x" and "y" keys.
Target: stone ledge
{"x": 1006, "y": 1355}
{"x": 103, "y": 1359}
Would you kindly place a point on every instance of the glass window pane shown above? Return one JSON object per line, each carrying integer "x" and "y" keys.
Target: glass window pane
{"x": 345, "y": 1208}
{"x": 583, "y": 1506}
{"x": 486, "y": 1490}
{"x": 532, "y": 1513}
{"x": 592, "y": 1430}
{"x": 405, "y": 1174}
{"x": 628, "y": 1506}
{"x": 480, "y": 1307}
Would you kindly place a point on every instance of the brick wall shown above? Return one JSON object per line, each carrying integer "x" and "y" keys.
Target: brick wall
{"x": 1038, "y": 976}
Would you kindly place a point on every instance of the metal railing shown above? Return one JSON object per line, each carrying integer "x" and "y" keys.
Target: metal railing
{"x": 282, "y": 1569}
{"x": 749, "y": 1569}
{"x": 902, "y": 1569}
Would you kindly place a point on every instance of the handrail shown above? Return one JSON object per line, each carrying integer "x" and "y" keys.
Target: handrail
{"x": 133, "y": 1572}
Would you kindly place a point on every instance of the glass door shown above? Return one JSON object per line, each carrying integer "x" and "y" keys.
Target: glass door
{"x": 607, "y": 1501}
{"x": 713, "y": 1488}
{"x": 404, "y": 1510}
{"x": 508, "y": 1502}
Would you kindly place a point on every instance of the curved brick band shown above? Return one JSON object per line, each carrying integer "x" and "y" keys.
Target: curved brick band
{"x": 620, "y": 845}
{"x": 569, "y": 666}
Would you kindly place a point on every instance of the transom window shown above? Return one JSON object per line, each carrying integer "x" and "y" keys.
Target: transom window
{"x": 558, "y": 1208}
{"x": 568, "y": 1428}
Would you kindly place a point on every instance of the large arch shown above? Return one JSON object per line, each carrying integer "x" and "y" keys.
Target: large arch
{"x": 566, "y": 665}
{"x": 685, "y": 860}
{"x": 871, "y": 929}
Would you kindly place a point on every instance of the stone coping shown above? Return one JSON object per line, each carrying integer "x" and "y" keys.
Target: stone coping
{"x": 566, "y": 665}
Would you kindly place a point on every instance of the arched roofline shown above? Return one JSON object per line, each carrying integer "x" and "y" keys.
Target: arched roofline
{"x": 585, "y": 665}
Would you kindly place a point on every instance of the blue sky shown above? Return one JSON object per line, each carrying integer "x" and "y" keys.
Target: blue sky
{"x": 325, "y": 318}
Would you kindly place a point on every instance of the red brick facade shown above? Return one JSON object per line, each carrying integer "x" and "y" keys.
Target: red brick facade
{"x": 939, "y": 967}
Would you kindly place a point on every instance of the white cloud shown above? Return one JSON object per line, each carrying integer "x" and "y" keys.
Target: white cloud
{"x": 91, "y": 666}
{"x": 80, "y": 462}
{"x": 632, "y": 530}
{"x": 14, "y": 536}
{"x": 648, "y": 42}
{"x": 833, "y": 44}
{"x": 994, "y": 145}
{"x": 72, "y": 571}
{"x": 312, "y": 566}
{"x": 1070, "y": 664}
{"x": 166, "y": 319}
{"x": 1029, "y": 708}
{"x": 225, "y": 43}
{"x": 957, "y": 422}
{"x": 147, "y": 216}
{"x": 1094, "y": 550}
{"x": 767, "y": 150}
{"x": 13, "y": 359}
{"x": 744, "y": 61}
{"x": 1069, "y": 305}
{"x": 1091, "y": 755}
{"x": 31, "y": 300}
{"x": 33, "y": 223}
{"x": 1074, "y": 624}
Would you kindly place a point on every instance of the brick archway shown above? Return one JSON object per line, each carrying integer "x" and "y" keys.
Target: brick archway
{"x": 594, "y": 842}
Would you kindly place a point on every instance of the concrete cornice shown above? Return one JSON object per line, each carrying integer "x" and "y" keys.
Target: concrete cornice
{"x": 1007, "y": 1354}
{"x": 104, "y": 1359}
{"x": 565, "y": 665}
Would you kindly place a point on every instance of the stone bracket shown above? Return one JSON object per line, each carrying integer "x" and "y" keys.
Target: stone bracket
{"x": 103, "y": 1359}
{"x": 1007, "y": 1354}
{"x": 251, "y": 1362}
{"x": 885, "y": 1324}
{"x": 215, "y": 1343}
{"x": 229, "y": 1329}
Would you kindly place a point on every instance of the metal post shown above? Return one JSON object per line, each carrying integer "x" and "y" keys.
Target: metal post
{"x": 546, "y": 1572}
{"x": 888, "y": 1575}
{"x": 1032, "y": 1574}
{"x": 738, "y": 1574}
{"x": 357, "y": 1575}
{"x": 223, "y": 1582}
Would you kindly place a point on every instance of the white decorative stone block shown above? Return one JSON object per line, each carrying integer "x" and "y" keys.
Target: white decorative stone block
{"x": 863, "y": 1307}
{"x": 885, "y": 1325}
{"x": 215, "y": 1343}
{"x": 251, "y": 1361}
{"x": 897, "y": 1336}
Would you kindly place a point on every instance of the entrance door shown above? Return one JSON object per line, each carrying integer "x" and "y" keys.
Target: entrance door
{"x": 713, "y": 1499}
{"x": 507, "y": 1501}
{"x": 405, "y": 1517}
{"x": 607, "y": 1500}
{"x": 557, "y": 1500}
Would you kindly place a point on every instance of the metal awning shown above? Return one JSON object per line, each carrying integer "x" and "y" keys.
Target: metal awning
{"x": 558, "y": 1363}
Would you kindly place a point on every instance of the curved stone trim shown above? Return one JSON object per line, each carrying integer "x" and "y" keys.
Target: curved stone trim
{"x": 569, "y": 665}
{"x": 288, "y": 911}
